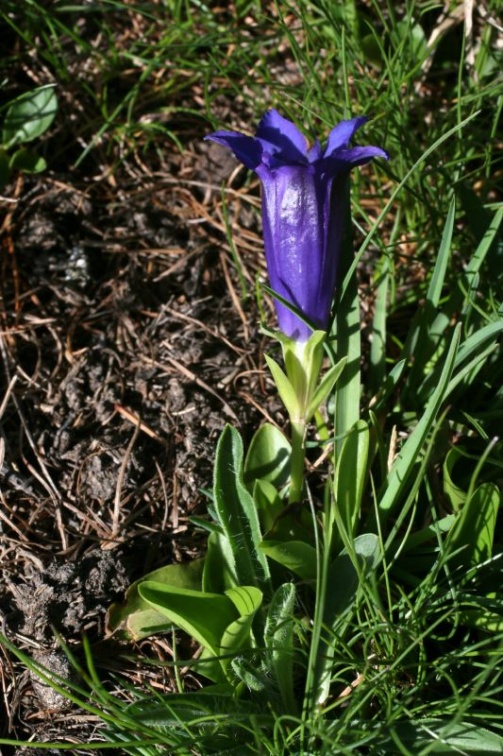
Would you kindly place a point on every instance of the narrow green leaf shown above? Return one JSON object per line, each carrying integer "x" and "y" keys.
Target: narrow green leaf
{"x": 347, "y": 401}
{"x": 377, "y": 370}
{"x": 347, "y": 332}
{"x": 471, "y": 349}
{"x": 236, "y": 512}
{"x": 444, "y": 736}
{"x": 285, "y": 388}
{"x": 279, "y": 641}
{"x": 455, "y": 494}
{"x": 484, "y": 337}
{"x": 428, "y": 326}
{"x": 484, "y": 229}
{"x": 324, "y": 388}
{"x": 467, "y": 375}
{"x": 474, "y": 528}
{"x": 389, "y": 385}
{"x": 486, "y": 613}
{"x": 489, "y": 239}
{"x": 174, "y": 710}
{"x": 220, "y": 570}
{"x": 439, "y": 271}
{"x": 350, "y": 476}
{"x": 402, "y": 467}
{"x": 344, "y": 579}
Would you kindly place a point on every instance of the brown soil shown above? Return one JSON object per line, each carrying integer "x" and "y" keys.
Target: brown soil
{"x": 126, "y": 345}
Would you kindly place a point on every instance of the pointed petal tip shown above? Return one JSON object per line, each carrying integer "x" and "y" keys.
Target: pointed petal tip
{"x": 288, "y": 143}
{"x": 247, "y": 149}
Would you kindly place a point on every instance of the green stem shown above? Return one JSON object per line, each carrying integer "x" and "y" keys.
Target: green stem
{"x": 297, "y": 462}
{"x": 315, "y": 670}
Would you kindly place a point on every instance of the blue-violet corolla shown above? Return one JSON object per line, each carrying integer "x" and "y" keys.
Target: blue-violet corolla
{"x": 303, "y": 210}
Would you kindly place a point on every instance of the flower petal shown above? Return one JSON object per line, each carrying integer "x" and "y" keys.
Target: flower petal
{"x": 315, "y": 152}
{"x": 295, "y": 208}
{"x": 360, "y": 155}
{"x": 304, "y": 209}
{"x": 247, "y": 149}
{"x": 287, "y": 142}
{"x": 341, "y": 135}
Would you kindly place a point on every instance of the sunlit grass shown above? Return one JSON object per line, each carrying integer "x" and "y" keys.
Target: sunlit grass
{"x": 417, "y": 658}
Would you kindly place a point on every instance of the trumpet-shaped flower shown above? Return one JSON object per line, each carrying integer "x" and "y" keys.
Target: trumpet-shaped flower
{"x": 303, "y": 211}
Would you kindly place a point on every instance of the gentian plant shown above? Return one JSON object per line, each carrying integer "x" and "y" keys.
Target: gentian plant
{"x": 293, "y": 605}
{"x": 233, "y": 602}
{"x": 305, "y": 206}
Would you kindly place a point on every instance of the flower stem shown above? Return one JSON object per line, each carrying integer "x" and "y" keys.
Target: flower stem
{"x": 297, "y": 462}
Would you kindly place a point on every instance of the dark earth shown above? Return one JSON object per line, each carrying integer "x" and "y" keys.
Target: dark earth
{"x": 127, "y": 342}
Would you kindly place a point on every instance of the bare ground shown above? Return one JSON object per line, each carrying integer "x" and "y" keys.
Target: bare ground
{"x": 126, "y": 345}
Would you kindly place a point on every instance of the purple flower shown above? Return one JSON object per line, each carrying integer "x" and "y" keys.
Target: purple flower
{"x": 303, "y": 210}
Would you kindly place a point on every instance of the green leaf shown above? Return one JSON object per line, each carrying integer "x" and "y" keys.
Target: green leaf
{"x": 455, "y": 494}
{"x": 350, "y": 476}
{"x": 388, "y": 387}
{"x": 237, "y": 634}
{"x": 474, "y": 528}
{"x": 403, "y": 465}
{"x": 409, "y": 34}
{"x": 27, "y": 161}
{"x": 490, "y": 244}
{"x": 485, "y": 614}
{"x": 303, "y": 362}
{"x": 324, "y": 388}
{"x": 444, "y": 736}
{"x": 204, "y": 616}
{"x": 246, "y": 599}
{"x": 372, "y": 50}
{"x": 135, "y": 618}
{"x": 344, "y": 579}
{"x": 428, "y": 326}
{"x": 472, "y": 352}
{"x": 29, "y": 115}
{"x": 268, "y": 502}
{"x": 483, "y": 338}
{"x": 268, "y": 458}
{"x": 279, "y": 641}
{"x": 236, "y": 513}
{"x": 220, "y": 572}
{"x": 377, "y": 369}
{"x": 297, "y": 556}
{"x": 285, "y": 388}
{"x": 485, "y": 230}
{"x": 208, "y": 705}
{"x": 437, "y": 280}
{"x": 348, "y": 335}
{"x": 429, "y": 533}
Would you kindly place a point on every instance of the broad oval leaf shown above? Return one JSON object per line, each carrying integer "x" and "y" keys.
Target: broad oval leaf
{"x": 268, "y": 457}
{"x": 29, "y": 115}
{"x": 204, "y": 616}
